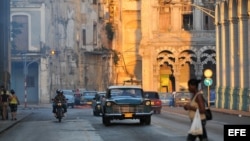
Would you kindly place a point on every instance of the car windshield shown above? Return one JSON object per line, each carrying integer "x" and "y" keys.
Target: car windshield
{"x": 89, "y": 94}
{"x": 124, "y": 92}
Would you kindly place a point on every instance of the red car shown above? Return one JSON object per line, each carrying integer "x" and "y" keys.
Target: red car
{"x": 155, "y": 100}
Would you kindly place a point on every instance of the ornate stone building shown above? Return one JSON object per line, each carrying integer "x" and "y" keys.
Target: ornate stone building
{"x": 163, "y": 43}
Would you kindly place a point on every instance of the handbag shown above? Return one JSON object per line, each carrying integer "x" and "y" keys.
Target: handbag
{"x": 208, "y": 114}
{"x": 196, "y": 126}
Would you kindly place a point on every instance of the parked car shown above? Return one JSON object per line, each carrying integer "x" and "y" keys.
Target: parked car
{"x": 126, "y": 102}
{"x": 70, "y": 100}
{"x": 167, "y": 99}
{"x": 155, "y": 100}
{"x": 87, "y": 97}
{"x": 182, "y": 98}
{"x": 68, "y": 91}
{"x": 96, "y": 103}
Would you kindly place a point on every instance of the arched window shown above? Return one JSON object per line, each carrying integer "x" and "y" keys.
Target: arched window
{"x": 21, "y": 39}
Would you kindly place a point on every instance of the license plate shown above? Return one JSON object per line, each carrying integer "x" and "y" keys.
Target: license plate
{"x": 183, "y": 99}
{"x": 89, "y": 102}
{"x": 128, "y": 115}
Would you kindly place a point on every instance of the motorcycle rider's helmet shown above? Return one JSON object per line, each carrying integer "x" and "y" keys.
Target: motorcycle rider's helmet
{"x": 12, "y": 91}
{"x": 58, "y": 91}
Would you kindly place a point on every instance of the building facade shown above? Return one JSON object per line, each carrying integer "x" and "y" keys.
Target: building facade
{"x": 56, "y": 45}
{"x": 232, "y": 48}
{"x": 161, "y": 44}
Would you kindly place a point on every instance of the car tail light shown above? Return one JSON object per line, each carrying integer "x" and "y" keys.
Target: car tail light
{"x": 158, "y": 102}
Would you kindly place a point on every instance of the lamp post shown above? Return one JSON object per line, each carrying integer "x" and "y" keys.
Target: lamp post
{"x": 208, "y": 82}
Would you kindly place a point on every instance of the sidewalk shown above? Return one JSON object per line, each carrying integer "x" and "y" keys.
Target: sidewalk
{"x": 24, "y": 112}
{"x": 180, "y": 110}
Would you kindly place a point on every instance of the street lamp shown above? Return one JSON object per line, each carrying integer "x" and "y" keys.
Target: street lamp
{"x": 208, "y": 82}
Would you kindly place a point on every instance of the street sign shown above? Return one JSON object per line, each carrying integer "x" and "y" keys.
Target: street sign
{"x": 208, "y": 81}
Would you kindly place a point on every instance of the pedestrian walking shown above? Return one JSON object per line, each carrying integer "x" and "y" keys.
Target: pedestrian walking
{"x": 14, "y": 101}
{"x": 4, "y": 102}
{"x": 197, "y": 102}
{"x": 173, "y": 99}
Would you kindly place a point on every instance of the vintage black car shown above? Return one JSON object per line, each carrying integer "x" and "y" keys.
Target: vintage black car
{"x": 96, "y": 103}
{"x": 126, "y": 102}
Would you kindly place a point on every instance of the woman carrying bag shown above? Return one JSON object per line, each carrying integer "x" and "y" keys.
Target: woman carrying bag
{"x": 197, "y": 102}
{"x": 13, "y": 104}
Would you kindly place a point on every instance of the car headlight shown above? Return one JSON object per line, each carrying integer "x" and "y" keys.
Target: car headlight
{"x": 148, "y": 103}
{"x": 98, "y": 106}
{"x": 108, "y": 104}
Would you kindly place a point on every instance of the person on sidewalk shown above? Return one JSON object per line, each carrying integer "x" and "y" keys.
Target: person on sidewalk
{"x": 173, "y": 99}
{"x": 4, "y": 102}
{"x": 197, "y": 101}
{"x": 13, "y": 104}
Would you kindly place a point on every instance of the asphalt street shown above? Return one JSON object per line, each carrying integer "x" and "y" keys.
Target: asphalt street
{"x": 25, "y": 111}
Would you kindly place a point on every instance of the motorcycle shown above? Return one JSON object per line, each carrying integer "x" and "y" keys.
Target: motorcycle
{"x": 59, "y": 110}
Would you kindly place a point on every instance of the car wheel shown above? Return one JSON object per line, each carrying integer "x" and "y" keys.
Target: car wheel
{"x": 106, "y": 121}
{"x": 95, "y": 113}
{"x": 142, "y": 121}
{"x": 148, "y": 120}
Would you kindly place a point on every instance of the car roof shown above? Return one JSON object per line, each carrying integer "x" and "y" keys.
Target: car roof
{"x": 89, "y": 92}
{"x": 122, "y": 86}
{"x": 151, "y": 92}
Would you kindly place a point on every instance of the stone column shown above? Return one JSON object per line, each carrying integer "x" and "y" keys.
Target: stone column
{"x": 224, "y": 52}
{"x": 145, "y": 28}
{"x": 233, "y": 53}
{"x": 198, "y": 16}
{"x": 147, "y": 70}
{"x": 175, "y": 17}
{"x": 243, "y": 46}
{"x": 43, "y": 80}
{"x": 176, "y": 73}
{"x": 218, "y": 47}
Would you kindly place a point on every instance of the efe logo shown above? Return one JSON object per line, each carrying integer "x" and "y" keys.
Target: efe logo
{"x": 237, "y": 132}
{"x": 241, "y": 132}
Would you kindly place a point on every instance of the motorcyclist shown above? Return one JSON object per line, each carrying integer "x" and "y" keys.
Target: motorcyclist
{"x": 59, "y": 97}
